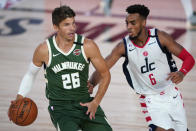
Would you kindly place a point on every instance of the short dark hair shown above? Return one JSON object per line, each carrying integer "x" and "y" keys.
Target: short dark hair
{"x": 137, "y": 8}
{"x": 61, "y": 13}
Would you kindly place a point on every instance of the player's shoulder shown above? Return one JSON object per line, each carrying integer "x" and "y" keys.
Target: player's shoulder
{"x": 121, "y": 43}
{"x": 164, "y": 37}
{"x": 90, "y": 47}
{"x": 119, "y": 49}
{"x": 42, "y": 48}
{"x": 162, "y": 33}
{"x": 89, "y": 43}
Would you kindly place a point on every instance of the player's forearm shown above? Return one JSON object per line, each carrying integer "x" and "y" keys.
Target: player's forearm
{"x": 103, "y": 86}
{"x": 188, "y": 61}
{"x": 28, "y": 80}
{"x": 95, "y": 78}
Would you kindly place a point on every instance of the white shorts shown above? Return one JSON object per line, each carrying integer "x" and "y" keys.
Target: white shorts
{"x": 165, "y": 110}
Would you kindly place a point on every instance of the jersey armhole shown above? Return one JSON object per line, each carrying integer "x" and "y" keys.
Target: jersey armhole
{"x": 83, "y": 52}
{"x": 125, "y": 45}
{"x": 158, "y": 41}
{"x": 79, "y": 40}
{"x": 84, "y": 55}
{"x": 168, "y": 55}
{"x": 50, "y": 53}
{"x": 125, "y": 64}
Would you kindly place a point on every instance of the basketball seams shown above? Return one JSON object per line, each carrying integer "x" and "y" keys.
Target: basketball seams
{"x": 28, "y": 112}
{"x": 24, "y": 112}
{"x": 18, "y": 111}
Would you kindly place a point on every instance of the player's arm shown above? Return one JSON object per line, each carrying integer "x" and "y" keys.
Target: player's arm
{"x": 111, "y": 59}
{"x": 93, "y": 54}
{"x": 180, "y": 52}
{"x": 39, "y": 57}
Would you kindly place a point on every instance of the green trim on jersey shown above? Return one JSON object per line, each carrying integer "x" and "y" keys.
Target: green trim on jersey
{"x": 67, "y": 73}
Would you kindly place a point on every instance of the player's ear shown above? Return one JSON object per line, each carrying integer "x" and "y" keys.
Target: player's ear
{"x": 144, "y": 22}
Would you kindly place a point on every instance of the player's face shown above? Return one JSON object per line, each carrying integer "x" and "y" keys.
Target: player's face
{"x": 67, "y": 28}
{"x": 134, "y": 24}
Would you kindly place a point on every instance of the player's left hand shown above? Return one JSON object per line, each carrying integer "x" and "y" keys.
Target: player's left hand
{"x": 176, "y": 77}
{"x": 92, "y": 108}
{"x": 15, "y": 102}
{"x": 90, "y": 87}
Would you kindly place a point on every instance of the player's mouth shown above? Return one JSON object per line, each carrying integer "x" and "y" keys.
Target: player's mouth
{"x": 71, "y": 34}
{"x": 131, "y": 34}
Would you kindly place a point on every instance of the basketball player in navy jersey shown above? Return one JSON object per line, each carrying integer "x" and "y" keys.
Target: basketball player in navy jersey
{"x": 151, "y": 71}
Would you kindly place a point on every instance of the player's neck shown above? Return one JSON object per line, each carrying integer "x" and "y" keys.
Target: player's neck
{"x": 61, "y": 41}
{"x": 64, "y": 44}
{"x": 142, "y": 38}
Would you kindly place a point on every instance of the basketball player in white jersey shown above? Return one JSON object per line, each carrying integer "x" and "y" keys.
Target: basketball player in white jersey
{"x": 151, "y": 71}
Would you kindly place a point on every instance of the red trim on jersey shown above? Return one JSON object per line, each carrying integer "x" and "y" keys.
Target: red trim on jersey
{"x": 188, "y": 61}
{"x": 142, "y": 96}
{"x": 180, "y": 95}
{"x": 148, "y": 118}
{"x": 162, "y": 93}
{"x": 143, "y": 104}
{"x": 149, "y": 33}
{"x": 145, "y": 112}
{"x": 181, "y": 98}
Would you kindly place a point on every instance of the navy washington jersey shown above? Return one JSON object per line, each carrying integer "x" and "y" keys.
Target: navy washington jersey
{"x": 146, "y": 68}
{"x": 66, "y": 73}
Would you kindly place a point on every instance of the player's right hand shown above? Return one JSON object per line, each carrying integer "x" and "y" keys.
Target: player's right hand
{"x": 176, "y": 77}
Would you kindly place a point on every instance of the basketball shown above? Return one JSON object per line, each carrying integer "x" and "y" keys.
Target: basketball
{"x": 23, "y": 112}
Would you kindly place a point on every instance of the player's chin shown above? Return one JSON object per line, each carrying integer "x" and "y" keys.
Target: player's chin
{"x": 131, "y": 35}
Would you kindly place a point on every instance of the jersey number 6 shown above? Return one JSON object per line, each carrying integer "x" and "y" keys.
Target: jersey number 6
{"x": 152, "y": 79}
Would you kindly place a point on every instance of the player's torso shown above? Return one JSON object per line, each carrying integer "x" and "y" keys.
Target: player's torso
{"x": 66, "y": 73}
{"x": 146, "y": 68}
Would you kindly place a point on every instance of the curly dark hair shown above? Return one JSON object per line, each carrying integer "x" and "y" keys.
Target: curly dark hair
{"x": 137, "y": 8}
{"x": 61, "y": 13}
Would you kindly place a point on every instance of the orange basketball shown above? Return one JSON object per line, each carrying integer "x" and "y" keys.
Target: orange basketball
{"x": 23, "y": 112}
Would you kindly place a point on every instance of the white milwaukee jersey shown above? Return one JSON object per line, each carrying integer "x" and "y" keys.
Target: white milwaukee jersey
{"x": 146, "y": 68}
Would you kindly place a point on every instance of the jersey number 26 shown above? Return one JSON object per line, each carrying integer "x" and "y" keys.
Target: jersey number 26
{"x": 71, "y": 80}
